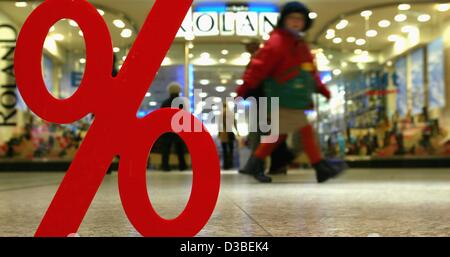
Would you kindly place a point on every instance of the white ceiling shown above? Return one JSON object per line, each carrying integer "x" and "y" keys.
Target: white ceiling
{"x": 72, "y": 38}
{"x": 358, "y": 26}
{"x": 134, "y": 12}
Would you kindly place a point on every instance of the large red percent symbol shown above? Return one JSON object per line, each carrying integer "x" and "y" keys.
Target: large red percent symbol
{"x": 116, "y": 130}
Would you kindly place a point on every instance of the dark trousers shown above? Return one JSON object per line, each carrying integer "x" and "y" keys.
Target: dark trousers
{"x": 281, "y": 157}
{"x": 168, "y": 141}
{"x": 227, "y": 155}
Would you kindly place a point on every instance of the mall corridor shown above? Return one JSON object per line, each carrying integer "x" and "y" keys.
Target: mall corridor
{"x": 362, "y": 203}
{"x": 225, "y": 88}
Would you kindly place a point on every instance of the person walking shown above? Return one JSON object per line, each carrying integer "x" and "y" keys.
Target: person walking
{"x": 285, "y": 67}
{"x": 282, "y": 156}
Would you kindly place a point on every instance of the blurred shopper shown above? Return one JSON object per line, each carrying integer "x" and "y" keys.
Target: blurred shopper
{"x": 115, "y": 68}
{"x": 257, "y": 92}
{"x": 170, "y": 139}
{"x": 227, "y": 140}
{"x": 286, "y": 60}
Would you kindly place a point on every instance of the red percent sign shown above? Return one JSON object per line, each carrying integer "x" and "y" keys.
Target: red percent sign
{"x": 116, "y": 130}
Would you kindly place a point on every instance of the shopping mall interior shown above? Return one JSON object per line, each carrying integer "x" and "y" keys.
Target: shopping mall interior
{"x": 386, "y": 63}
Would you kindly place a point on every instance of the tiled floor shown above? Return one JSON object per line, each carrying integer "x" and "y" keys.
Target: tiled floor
{"x": 360, "y": 203}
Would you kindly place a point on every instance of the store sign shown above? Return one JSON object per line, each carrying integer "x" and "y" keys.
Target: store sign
{"x": 8, "y": 96}
{"x": 228, "y": 23}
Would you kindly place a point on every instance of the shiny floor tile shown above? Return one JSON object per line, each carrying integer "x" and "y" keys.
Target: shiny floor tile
{"x": 360, "y": 203}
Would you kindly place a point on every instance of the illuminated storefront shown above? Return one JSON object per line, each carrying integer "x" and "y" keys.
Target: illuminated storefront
{"x": 383, "y": 72}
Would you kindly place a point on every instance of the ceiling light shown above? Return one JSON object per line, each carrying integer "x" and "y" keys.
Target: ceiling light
{"x": 337, "y": 72}
{"x": 358, "y": 51}
{"x": 101, "y": 12}
{"x": 80, "y": 33}
{"x": 52, "y": 28}
{"x": 205, "y": 55}
{"x": 124, "y": 58}
{"x": 393, "y": 38}
{"x": 344, "y": 64}
{"x": 119, "y": 23}
{"x": 342, "y": 24}
{"x": 337, "y": 40}
{"x": 312, "y": 15}
{"x": 191, "y": 46}
{"x": 148, "y": 94}
{"x": 329, "y": 36}
{"x": 371, "y": 33}
{"x": 246, "y": 55}
{"x": 443, "y": 7}
{"x": 266, "y": 37}
{"x": 58, "y": 37}
{"x": 73, "y": 23}
{"x": 351, "y": 39}
{"x": 233, "y": 94}
{"x": 366, "y": 14}
{"x": 191, "y": 56}
{"x": 362, "y": 59}
{"x": 217, "y": 100}
{"x": 400, "y": 18}
{"x": 223, "y": 60}
{"x": 204, "y": 82}
{"x": 203, "y": 94}
{"x": 21, "y": 4}
{"x": 404, "y": 7}
{"x": 424, "y": 18}
{"x": 221, "y": 89}
{"x": 384, "y": 23}
{"x": 82, "y": 60}
{"x": 225, "y": 52}
{"x": 331, "y": 31}
{"x": 240, "y": 82}
{"x": 224, "y": 81}
{"x": 116, "y": 49}
{"x": 360, "y": 42}
{"x": 153, "y": 103}
{"x": 126, "y": 33}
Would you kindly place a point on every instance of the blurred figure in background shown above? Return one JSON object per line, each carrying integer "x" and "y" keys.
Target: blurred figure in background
{"x": 169, "y": 139}
{"x": 227, "y": 139}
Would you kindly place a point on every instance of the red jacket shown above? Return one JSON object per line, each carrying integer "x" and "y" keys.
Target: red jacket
{"x": 279, "y": 57}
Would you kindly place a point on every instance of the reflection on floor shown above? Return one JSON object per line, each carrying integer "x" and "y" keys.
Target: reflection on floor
{"x": 360, "y": 203}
